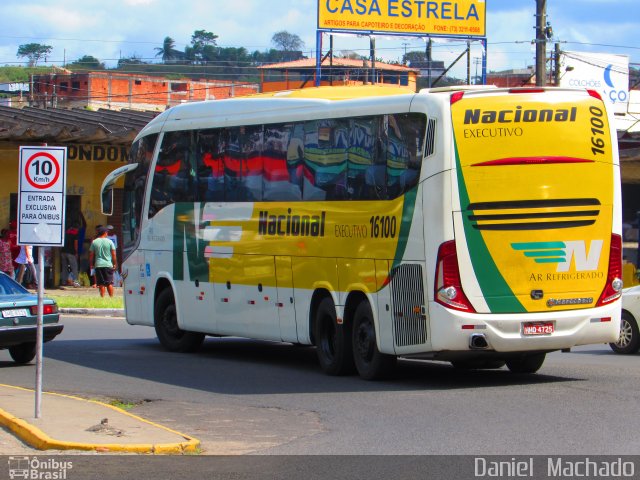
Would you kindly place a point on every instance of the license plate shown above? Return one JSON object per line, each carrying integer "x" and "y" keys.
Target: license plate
{"x": 16, "y": 312}
{"x": 537, "y": 328}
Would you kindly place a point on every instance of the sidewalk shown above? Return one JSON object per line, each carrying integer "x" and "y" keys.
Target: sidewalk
{"x": 73, "y": 423}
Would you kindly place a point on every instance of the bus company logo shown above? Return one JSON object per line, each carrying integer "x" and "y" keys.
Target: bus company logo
{"x": 563, "y": 254}
{"x": 291, "y": 225}
{"x": 520, "y": 115}
{"x": 36, "y": 468}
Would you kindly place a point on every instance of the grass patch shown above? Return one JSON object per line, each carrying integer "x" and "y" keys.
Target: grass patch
{"x": 67, "y": 301}
{"x": 122, "y": 404}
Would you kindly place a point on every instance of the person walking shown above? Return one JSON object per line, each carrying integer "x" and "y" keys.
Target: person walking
{"x": 25, "y": 260}
{"x": 6, "y": 260}
{"x": 102, "y": 259}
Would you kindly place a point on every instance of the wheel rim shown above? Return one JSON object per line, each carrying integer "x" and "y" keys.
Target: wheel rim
{"x": 365, "y": 339}
{"x": 170, "y": 322}
{"x": 328, "y": 338}
{"x": 625, "y": 334}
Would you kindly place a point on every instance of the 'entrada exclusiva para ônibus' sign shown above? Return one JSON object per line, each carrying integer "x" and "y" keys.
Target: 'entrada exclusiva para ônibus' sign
{"x": 454, "y": 17}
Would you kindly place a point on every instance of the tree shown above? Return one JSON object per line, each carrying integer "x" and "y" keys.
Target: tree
{"x": 413, "y": 57}
{"x": 34, "y": 52}
{"x": 203, "y": 46}
{"x": 289, "y": 42}
{"x": 132, "y": 60}
{"x": 86, "y": 62}
{"x": 168, "y": 50}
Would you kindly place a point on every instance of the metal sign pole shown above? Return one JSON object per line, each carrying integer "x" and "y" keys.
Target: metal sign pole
{"x": 39, "y": 335}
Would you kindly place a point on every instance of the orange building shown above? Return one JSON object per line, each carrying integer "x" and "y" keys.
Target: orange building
{"x": 122, "y": 90}
{"x": 337, "y": 71}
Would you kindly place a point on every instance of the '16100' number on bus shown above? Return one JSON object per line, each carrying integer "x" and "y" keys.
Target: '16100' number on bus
{"x": 383, "y": 226}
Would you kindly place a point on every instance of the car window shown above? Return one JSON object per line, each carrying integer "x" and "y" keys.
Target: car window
{"x": 9, "y": 287}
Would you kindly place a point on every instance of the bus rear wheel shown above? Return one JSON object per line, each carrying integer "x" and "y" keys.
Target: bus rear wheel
{"x": 333, "y": 342}
{"x": 530, "y": 363}
{"x": 172, "y": 337}
{"x": 370, "y": 363}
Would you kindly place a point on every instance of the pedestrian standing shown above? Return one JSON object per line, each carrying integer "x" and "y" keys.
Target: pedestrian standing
{"x": 6, "y": 260}
{"x": 25, "y": 260}
{"x": 102, "y": 258}
{"x": 69, "y": 257}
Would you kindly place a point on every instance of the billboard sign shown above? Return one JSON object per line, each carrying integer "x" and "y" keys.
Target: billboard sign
{"x": 416, "y": 17}
{"x": 604, "y": 72}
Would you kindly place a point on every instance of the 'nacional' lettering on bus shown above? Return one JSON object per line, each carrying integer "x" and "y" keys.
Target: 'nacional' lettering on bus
{"x": 291, "y": 225}
{"x": 519, "y": 115}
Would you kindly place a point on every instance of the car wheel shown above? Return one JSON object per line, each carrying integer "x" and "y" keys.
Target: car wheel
{"x": 371, "y": 364}
{"x": 526, "y": 363}
{"x": 23, "y": 353}
{"x": 170, "y": 335}
{"x": 333, "y": 342}
{"x": 629, "y": 340}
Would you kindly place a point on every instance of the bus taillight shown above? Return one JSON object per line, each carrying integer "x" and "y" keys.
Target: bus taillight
{"x": 448, "y": 287}
{"x": 613, "y": 287}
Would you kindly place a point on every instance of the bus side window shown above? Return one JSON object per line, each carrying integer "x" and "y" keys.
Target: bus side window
{"x": 253, "y": 163}
{"x": 367, "y": 165}
{"x": 325, "y": 167}
{"x": 172, "y": 176}
{"x": 283, "y": 156}
{"x": 210, "y": 148}
{"x": 404, "y": 152}
{"x": 243, "y": 164}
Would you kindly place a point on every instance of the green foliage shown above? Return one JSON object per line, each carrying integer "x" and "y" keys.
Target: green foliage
{"x": 86, "y": 63}
{"x": 83, "y": 301}
{"x": 34, "y": 52}
{"x": 10, "y": 74}
{"x": 286, "y": 41}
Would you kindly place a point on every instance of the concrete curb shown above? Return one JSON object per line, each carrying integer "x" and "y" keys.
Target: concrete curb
{"x": 35, "y": 437}
{"x": 102, "y": 312}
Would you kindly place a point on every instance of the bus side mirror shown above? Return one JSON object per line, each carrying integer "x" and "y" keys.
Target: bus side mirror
{"x": 107, "y": 201}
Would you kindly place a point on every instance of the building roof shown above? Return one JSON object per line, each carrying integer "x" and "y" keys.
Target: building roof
{"x": 310, "y": 63}
{"x": 57, "y": 125}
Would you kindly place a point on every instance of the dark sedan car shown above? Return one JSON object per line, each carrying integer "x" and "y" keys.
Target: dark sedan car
{"x": 18, "y": 318}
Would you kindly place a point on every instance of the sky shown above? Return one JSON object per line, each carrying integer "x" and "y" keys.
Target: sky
{"x": 109, "y": 30}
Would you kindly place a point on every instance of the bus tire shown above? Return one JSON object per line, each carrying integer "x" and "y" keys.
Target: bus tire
{"x": 530, "y": 363}
{"x": 23, "y": 353}
{"x": 170, "y": 335}
{"x": 629, "y": 339}
{"x": 333, "y": 342}
{"x": 370, "y": 363}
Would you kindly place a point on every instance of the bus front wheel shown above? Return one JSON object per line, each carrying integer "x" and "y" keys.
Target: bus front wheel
{"x": 371, "y": 364}
{"x": 333, "y": 343}
{"x": 172, "y": 337}
{"x": 526, "y": 363}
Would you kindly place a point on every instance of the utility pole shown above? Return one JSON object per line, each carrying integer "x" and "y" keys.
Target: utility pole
{"x": 429, "y": 58}
{"x": 541, "y": 43}
{"x": 556, "y": 64}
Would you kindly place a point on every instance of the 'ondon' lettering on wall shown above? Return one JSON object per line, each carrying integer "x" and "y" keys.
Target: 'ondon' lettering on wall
{"x": 98, "y": 153}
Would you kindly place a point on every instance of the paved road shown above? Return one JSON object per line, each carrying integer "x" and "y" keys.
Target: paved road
{"x": 242, "y": 396}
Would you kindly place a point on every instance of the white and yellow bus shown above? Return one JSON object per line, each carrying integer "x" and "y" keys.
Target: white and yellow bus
{"x": 476, "y": 226}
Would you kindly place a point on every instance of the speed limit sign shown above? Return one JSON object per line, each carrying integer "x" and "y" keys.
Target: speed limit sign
{"x": 41, "y": 202}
